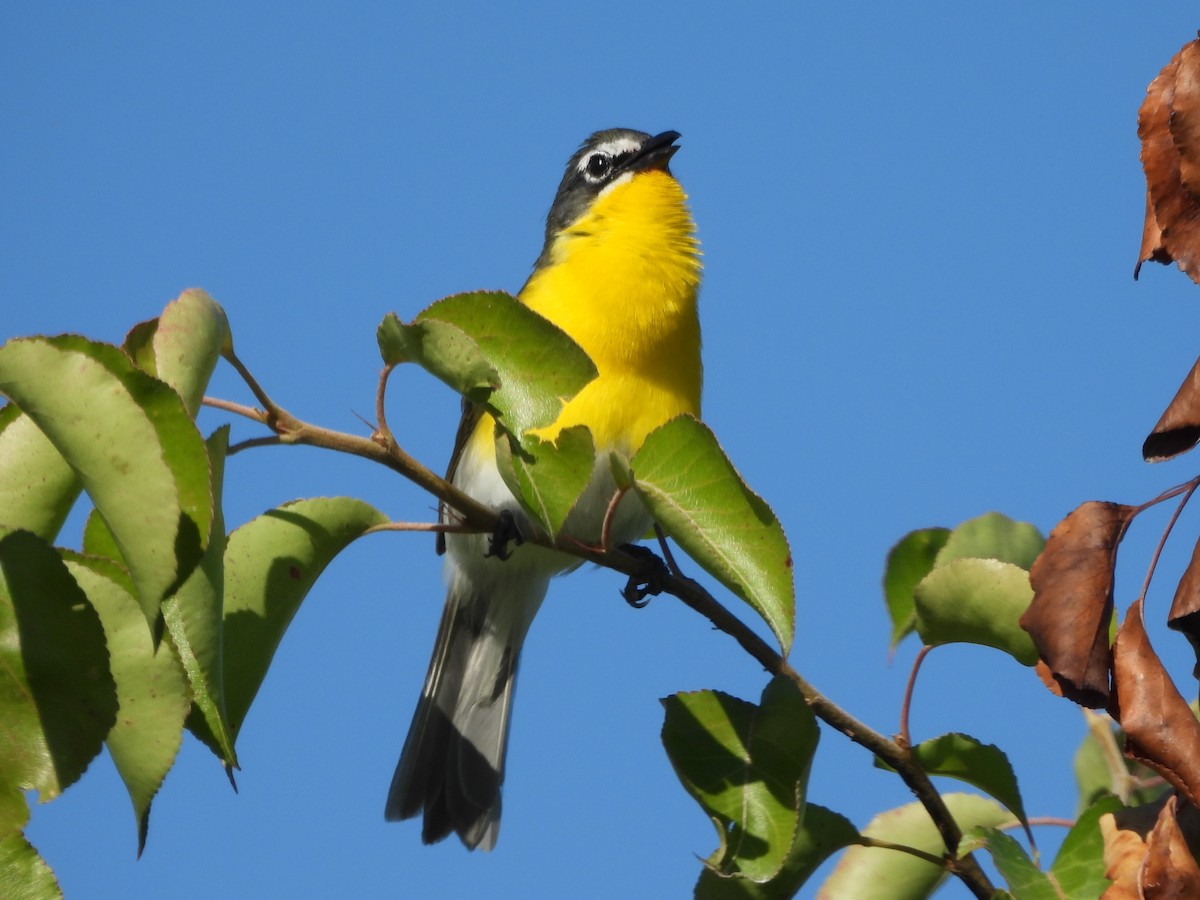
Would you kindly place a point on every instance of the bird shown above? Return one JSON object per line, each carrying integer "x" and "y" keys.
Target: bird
{"x": 620, "y": 273}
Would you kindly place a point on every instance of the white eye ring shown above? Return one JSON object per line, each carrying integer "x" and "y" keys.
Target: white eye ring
{"x": 596, "y": 166}
{"x": 603, "y": 156}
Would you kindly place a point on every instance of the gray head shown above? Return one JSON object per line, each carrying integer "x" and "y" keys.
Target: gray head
{"x": 601, "y": 160}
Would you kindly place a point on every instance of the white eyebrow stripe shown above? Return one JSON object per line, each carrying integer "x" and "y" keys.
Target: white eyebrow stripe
{"x": 613, "y": 148}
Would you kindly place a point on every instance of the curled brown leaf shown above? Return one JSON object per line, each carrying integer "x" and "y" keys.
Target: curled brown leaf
{"x": 1185, "y": 608}
{"x": 1169, "y": 128}
{"x": 1170, "y": 869}
{"x": 1071, "y": 611}
{"x": 1178, "y": 428}
{"x": 1161, "y": 730}
{"x": 1146, "y": 851}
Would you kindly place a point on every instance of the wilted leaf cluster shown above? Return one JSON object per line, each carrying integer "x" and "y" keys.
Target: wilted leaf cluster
{"x": 1084, "y": 653}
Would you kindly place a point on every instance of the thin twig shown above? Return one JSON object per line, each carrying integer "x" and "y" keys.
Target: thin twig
{"x": 905, "y": 738}
{"x": 666, "y": 550}
{"x": 475, "y": 516}
{"x": 270, "y": 440}
{"x": 250, "y": 380}
{"x": 1162, "y": 541}
{"x": 1188, "y": 486}
{"x": 876, "y": 843}
{"x": 436, "y": 527}
{"x": 610, "y": 513}
{"x": 248, "y": 412}
{"x": 381, "y": 425}
{"x": 1055, "y": 821}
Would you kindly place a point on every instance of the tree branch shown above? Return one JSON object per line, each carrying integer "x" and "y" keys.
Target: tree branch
{"x": 382, "y": 448}
{"x": 890, "y": 751}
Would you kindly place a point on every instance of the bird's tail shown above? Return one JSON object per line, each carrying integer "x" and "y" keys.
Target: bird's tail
{"x": 452, "y": 764}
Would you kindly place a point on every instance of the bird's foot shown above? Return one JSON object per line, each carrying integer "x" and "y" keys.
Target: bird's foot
{"x": 506, "y": 532}
{"x": 649, "y": 581}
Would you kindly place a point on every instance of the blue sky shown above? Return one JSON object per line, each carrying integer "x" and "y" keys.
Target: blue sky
{"x": 919, "y": 228}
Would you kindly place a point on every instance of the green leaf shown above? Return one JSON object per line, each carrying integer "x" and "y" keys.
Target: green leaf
{"x": 994, "y": 536}
{"x": 271, "y": 563}
{"x": 130, "y": 440}
{"x": 978, "y": 601}
{"x": 821, "y": 834}
{"x": 1079, "y": 867}
{"x": 909, "y": 560}
{"x": 747, "y": 766}
{"x": 57, "y": 698}
{"x": 538, "y": 365}
{"x": 14, "y": 810}
{"x": 443, "y": 350}
{"x": 139, "y": 346}
{"x": 984, "y": 766}
{"x": 692, "y": 489}
{"x": 874, "y": 873}
{"x": 98, "y": 539}
{"x": 152, "y": 694}
{"x": 37, "y": 487}
{"x": 548, "y": 476}
{"x": 24, "y": 875}
{"x": 195, "y": 621}
{"x": 182, "y": 346}
{"x": 1024, "y": 879}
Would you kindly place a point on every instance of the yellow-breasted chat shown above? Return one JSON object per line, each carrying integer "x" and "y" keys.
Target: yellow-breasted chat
{"x": 619, "y": 272}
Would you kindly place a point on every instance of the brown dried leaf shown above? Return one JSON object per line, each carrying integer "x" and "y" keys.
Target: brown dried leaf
{"x": 1178, "y": 428}
{"x": 1170, "y": 870}
{"x": 1072, "y": 604}
{"x": 1160, "y": 162}
{"x": 1147, "y": 852}
{"x": 1160, "y": 729}
{"x": 1185, "y": 608}
{"x": 1124, "y": 851}
{"x": 1152, "y": 247}
{"x": 1169, "y": 127}
{"x": 1185, "y": 117}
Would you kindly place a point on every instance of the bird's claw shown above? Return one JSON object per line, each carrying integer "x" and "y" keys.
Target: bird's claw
{"x": 649, "y": 581}
{"x": 506, "y": 532}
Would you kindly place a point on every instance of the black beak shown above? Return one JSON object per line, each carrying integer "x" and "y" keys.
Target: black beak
{"x": 654, "y": 154}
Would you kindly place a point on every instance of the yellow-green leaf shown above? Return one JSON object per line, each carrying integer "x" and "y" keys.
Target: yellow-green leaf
{"x": 271, "y": 563}
{"x": 37, "y": 487}
{"x": 152, "y": 695}
{"x": 130, "y": 440}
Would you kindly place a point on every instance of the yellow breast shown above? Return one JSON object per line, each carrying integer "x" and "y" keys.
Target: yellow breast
{"x": 622, "y": 282}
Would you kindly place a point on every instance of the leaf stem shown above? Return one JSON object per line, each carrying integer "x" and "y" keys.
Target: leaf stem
{"x": 905, "y": 738}
{"x": 1187, "y": 489}
{"x": 876, "y": 843}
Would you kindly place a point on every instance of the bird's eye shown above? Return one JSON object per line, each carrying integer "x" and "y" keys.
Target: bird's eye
{"x": 597, "y": 166}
